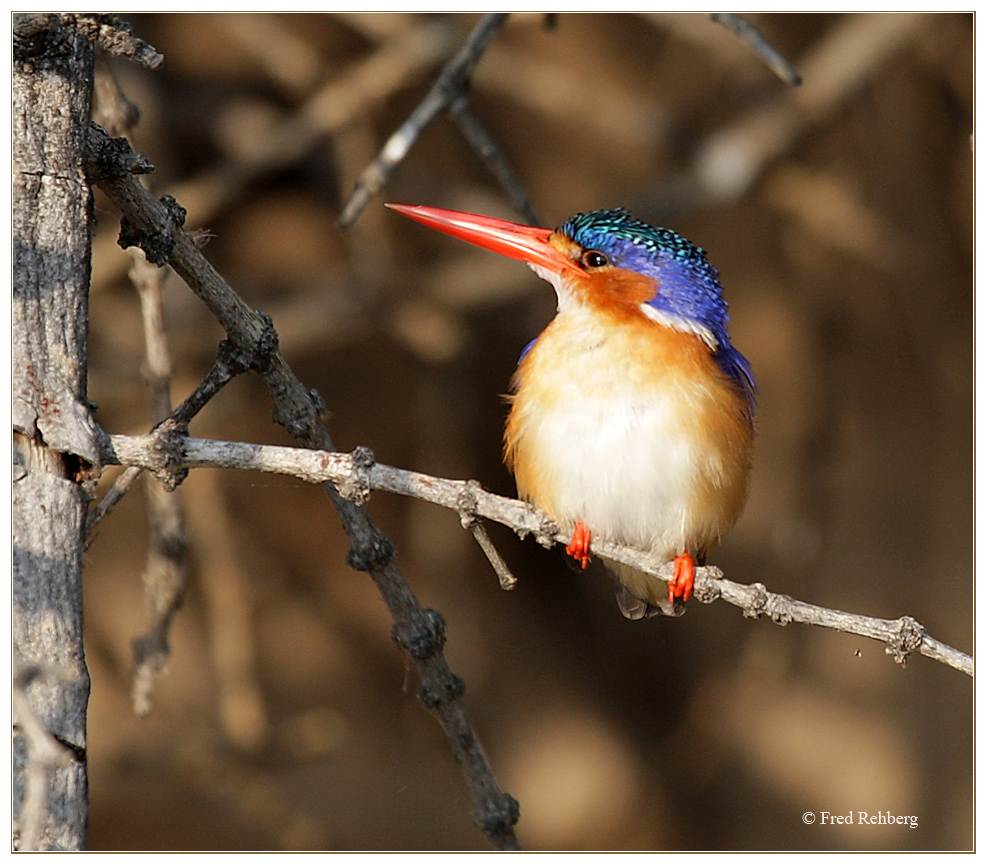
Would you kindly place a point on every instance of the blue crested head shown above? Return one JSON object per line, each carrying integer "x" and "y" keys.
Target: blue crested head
{"x": 688, "y": 285}
{"x": 689, "y": 289}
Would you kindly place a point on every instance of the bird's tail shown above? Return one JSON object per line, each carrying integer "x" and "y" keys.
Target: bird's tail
{"x": 641, "y": 595}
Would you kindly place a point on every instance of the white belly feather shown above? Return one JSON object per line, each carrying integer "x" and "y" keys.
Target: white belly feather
{"x": 621, "y": 464}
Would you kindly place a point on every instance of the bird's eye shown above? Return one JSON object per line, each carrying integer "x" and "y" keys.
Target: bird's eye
{"x": 594, "y": 259}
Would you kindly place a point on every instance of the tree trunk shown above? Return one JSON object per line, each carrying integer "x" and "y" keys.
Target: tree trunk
{"x": 55, "y": 441}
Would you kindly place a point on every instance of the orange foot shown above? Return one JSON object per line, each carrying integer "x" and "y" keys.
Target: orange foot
{"x": 681, "y": 585}
{"x": 579, "y": 547}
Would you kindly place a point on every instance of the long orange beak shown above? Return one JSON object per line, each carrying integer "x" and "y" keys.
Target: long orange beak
{"x": 526, "y": 243}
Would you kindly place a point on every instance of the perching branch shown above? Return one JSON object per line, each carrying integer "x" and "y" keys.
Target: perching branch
{"x": 448, "y": 93}
{"x": 356, "y": 474}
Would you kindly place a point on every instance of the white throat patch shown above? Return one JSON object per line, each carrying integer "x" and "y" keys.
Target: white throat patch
{"x": 565, "y": 297}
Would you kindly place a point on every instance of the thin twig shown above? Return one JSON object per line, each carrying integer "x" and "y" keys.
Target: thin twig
{"x": 448, "y": 91}
{"x": 504, "y": 576}
{"x": 124, "y": 481}
{"x": 901, "y": 636}
{"x": 228, "y": 364}
{"x": 154, "y": 226}
{"x": 753, "y": 38}
{"x": 467, "y": 506}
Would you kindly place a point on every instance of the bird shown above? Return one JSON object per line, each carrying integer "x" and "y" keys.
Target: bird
{"x": 632, "y": 414}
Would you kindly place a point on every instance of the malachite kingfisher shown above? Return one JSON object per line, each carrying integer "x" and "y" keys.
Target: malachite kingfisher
{"x": 631, "y": 414}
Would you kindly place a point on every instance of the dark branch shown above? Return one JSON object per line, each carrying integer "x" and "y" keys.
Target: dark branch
{"x": 298, "y": 409}
{"x": 753, "y": 38}
{"x": 448, "y": 93}
{"x": 488, "y": 150}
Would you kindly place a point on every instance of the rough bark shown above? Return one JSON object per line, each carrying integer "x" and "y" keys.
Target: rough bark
{"x": 55, "y": 441}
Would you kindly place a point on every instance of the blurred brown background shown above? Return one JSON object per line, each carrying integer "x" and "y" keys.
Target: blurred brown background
{"x": 840, "y": 217}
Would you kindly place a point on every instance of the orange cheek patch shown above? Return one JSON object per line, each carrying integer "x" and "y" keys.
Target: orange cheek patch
{"x": 618, "y": 292}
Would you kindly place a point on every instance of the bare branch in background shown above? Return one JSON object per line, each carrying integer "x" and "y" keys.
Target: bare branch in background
{"x": 732, "y": 158}
{"x": 166, "y": 571}
{"x": 901, "y": 636}
{"x": 449, "y": 93}
{"x": 487, "y": 149}
{"x": 220, "y": 554}
{"x": 753, "y": 38}
{"x": 331, "y": 107}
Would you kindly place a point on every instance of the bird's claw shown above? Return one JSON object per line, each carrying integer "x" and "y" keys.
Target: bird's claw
{"x": 579, "y": 547}
{"x": 681, "y": 584}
